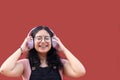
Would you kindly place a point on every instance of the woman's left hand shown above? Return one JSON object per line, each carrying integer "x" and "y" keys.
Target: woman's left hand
{"x": 60, "y": 46}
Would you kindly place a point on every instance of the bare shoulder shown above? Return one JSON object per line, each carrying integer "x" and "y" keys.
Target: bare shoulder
{"x": 24, "y": 62}
{"x": 64, "y": 61}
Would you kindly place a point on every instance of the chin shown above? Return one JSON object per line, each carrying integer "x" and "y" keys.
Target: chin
{"x": 43, "y": 51}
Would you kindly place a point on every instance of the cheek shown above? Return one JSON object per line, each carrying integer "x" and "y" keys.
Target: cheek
{"x": 35, "y": 44}
{"x": 49, "y": 44}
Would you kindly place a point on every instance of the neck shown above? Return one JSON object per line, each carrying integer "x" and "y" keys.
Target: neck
{"x": 43, "y": 60}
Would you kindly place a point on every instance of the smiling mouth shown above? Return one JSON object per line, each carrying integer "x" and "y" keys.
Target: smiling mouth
{"x": 43, "y": 46}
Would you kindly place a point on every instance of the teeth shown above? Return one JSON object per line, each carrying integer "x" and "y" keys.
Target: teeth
{"x": 43, "y": 46}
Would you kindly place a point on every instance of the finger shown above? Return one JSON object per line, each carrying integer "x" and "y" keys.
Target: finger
{"x": 29, "y": 38}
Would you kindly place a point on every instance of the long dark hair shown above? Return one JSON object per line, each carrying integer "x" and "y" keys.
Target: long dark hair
{"x": 53, "y": 59}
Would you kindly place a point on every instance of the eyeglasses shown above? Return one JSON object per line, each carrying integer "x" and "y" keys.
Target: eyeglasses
{"x": 40, "y": 38}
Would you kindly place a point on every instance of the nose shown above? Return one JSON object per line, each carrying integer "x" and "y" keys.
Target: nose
{"x": 43, "y": 40}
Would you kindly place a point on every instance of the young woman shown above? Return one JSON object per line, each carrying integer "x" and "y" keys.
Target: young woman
{"x": 42, "y": 61}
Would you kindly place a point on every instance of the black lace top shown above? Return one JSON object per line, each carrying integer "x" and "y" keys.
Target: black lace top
{"x": 45, "y": 73}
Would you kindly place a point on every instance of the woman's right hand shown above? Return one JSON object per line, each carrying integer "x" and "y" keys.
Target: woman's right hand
{"x": 24, "y": 45}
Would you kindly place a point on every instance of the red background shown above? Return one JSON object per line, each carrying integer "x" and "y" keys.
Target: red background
{"x": 88, "y": 28}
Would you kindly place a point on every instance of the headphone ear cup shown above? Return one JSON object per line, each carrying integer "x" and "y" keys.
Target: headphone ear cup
{"x": 30, "y": 44}
{"x": 54, "y": 42}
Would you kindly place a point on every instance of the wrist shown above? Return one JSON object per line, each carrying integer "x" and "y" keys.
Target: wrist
{"x": 21, "y": 50}
{"x": 63, "y": 49}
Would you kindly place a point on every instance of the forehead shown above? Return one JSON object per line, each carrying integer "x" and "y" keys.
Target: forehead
{"x": 42, "y": 33}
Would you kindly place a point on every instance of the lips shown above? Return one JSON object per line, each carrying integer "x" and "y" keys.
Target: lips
{"x": 43, "y": 46}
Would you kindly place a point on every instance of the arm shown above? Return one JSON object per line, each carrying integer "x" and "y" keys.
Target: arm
{"x": 72, "y": 66}
{"x": 11, "y": 67}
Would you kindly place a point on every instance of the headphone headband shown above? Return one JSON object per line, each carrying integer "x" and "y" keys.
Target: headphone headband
{"x": 29, "y": 33}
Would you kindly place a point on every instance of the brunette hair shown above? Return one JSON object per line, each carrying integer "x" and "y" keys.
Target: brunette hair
{"x": 53, "y": 59}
